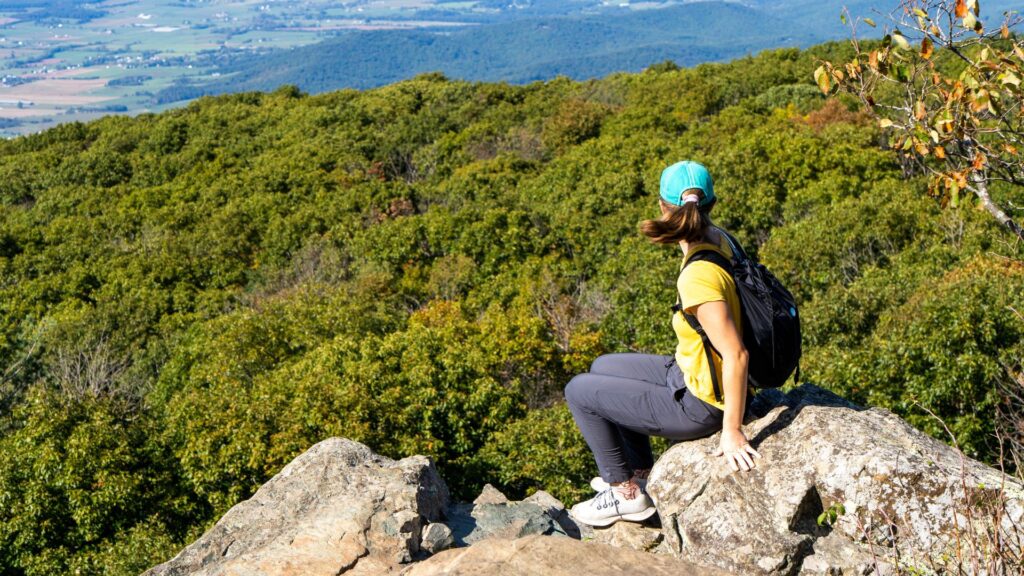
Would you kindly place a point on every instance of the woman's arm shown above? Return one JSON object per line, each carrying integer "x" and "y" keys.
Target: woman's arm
{"x": 718, "y": 324}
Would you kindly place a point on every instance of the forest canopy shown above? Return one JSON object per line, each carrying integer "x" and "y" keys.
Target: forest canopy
{"x": 190, "y": 299}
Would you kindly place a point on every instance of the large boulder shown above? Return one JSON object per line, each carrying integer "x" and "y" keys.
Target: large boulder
{"x": 901, "y": 491}
{"x": 538, "y": 555}
{"x": 337, "y": 508}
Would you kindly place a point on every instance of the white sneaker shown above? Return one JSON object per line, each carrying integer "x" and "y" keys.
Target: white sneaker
{"x": 610, "y": 506}
{"x": 599, "y": 485}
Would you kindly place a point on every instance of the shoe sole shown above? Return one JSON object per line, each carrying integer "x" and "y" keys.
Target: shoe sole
{"x": 633, "y": 517}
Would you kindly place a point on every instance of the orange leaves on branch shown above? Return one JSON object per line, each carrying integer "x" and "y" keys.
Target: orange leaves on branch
{"x": 960, "y": 178}
{"x": 980, "y": 100}
{"x": 957, "y": 93}
{"x": 853, "y": 69}
{"x": 920, "y": 110}
{"x": 954, "y": 182}
{"x": 941, "y": 116}
{"x": 944, "y": 122}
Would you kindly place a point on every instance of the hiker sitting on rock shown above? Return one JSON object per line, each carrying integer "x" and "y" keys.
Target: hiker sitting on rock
{"x": 627, "y": 397}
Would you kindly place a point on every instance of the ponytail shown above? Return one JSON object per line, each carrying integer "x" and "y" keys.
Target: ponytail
{"x": 688, "y": 222}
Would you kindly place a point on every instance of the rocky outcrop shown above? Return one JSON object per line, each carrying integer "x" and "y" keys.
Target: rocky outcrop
{"x": 337, "y": 508}
{"x": 899, "y": 489}
{"x": 543, "y": 556}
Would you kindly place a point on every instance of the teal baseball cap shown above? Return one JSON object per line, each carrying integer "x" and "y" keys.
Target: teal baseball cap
{"x": 683, "y": 176}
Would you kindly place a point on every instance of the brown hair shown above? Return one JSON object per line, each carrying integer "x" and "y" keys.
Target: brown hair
{"x": 687, "y": 222}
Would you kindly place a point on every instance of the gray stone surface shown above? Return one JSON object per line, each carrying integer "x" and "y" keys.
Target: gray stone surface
{"x": 554, "y": 508}
{"x": 471, "y": 523}
{"x": 436, "y": 537}
{"x": 537, "y": 555}
{"x": 337, "y": 508}
{"x": 819, "y": 450}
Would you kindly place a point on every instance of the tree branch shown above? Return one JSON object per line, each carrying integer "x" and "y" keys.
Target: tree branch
{"x": 981, "y": 191}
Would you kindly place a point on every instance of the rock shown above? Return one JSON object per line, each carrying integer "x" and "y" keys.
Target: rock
{"x": 641, "y": 536}
{"x": 336, "y": 508}
{"x": 471, "y": 523}
{"x": 554, "y": 508}
{"x": 551, "y": 505}
{"x": 835, "y": 555}
{"x": 436, "y": 537}
{"x": 819, "y": 451}
{"x": 490, "y": 495}
{"x": 538, "y": 555}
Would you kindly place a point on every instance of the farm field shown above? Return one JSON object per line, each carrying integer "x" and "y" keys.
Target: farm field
{"x": 115, "y": 55}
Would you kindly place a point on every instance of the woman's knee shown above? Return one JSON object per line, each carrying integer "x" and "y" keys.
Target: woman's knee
{"x": 601, "y": 363}
{"x": 574, "y": 390}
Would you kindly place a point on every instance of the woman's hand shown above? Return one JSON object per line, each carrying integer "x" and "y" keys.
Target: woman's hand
{"x": 736, "y": 449}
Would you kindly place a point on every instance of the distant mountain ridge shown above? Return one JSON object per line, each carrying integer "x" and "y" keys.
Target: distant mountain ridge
{"x": 546, "y": 41}
{"x": 518, "y": 51}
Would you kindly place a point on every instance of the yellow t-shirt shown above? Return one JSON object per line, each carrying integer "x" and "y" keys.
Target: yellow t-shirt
{"x": 698, "y": 283}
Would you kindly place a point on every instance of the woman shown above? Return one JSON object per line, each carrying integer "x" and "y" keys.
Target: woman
{"x": 626, "y": 398}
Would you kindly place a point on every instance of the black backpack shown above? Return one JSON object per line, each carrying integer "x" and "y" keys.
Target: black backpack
{"x": 771, "y": 325}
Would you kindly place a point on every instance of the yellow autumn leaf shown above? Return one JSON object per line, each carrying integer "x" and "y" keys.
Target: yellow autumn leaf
{"x": 822, "y": 79}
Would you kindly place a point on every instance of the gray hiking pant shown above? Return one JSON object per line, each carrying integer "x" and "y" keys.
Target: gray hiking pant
{"x": 625, "y": 399}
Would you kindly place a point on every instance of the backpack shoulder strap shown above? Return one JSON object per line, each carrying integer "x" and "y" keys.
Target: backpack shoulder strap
{"x": 709, "y": 255}
{"x": 705, "y": 254}
{"x": 737, "y": 250}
